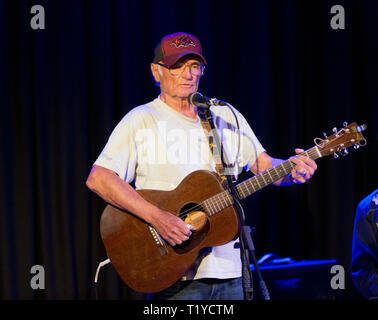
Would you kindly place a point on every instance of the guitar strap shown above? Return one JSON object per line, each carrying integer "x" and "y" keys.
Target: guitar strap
{"x": 214, "y": 147}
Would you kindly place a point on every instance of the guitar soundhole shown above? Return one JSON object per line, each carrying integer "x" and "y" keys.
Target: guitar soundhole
{"x": 194, "y": 214}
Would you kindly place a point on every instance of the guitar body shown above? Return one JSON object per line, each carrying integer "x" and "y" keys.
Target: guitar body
{"x": 142, "y": 259}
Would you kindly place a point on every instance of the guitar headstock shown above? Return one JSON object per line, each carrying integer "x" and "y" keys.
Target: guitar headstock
{"x": 341, "y": 140}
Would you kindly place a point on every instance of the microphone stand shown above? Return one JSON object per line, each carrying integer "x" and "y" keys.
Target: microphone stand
{"x": 247, "y": 247}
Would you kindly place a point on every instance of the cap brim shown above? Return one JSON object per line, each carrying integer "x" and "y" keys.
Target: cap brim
{"x": 171, "y": 60}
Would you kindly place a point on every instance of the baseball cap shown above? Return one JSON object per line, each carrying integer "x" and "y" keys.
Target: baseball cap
{"x": 176, "y": 45}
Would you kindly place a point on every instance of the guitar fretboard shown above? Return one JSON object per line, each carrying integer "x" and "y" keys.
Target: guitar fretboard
{"x": 223, "y": 200}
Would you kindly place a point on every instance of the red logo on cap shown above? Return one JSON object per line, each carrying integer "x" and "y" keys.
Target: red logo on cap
{"x": 183, "y": 41}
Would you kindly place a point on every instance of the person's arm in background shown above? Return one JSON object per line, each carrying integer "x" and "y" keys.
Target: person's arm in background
{"x": 364, "y": 267}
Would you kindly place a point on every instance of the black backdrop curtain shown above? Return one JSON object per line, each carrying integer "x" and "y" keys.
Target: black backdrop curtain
{"x": 64, "y": 88}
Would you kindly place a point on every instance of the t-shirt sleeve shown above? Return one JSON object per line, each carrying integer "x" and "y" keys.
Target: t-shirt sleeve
{"x": 250, "y": 146}
{"x": 119, "y": 153}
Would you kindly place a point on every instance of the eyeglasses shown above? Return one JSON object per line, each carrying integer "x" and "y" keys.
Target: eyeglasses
{"x": 195, "y": 68}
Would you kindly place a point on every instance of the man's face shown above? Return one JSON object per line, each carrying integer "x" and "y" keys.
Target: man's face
{"x": 181, "y": 82}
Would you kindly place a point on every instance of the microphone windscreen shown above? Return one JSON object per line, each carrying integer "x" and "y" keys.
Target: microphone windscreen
{"x": 194, "y": 97}
{"x": 197, "y": 99}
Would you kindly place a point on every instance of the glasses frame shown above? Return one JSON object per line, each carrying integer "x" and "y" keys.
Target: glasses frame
{"x": 186, "y": 64}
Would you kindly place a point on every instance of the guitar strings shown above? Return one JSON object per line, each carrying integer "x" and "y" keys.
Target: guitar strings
{"x": 200, "y": 207}
{"x": 311, "y": 152}
{"x": 184, "y": 214}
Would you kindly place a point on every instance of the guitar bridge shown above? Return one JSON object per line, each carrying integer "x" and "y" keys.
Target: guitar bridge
{"x": 158, "y": 241}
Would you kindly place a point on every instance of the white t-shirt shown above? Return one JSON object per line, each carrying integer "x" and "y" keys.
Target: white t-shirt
{"x": 158, "y": 147}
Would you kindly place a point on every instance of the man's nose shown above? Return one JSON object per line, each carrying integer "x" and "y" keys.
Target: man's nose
{"x": 186, "y": 73}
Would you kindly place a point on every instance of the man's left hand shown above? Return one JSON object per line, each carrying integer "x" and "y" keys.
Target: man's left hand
{"x": 304, "y": 167}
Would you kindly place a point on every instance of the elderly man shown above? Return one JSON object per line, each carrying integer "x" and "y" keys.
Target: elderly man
{"x": 150, "y": 146}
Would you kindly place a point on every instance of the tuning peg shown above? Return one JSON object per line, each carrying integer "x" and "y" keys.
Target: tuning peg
{"x": 342, "y": 152}
{"x": 324, "y": 135}
{"x": 356, "y": 146}
{"x": 334, "y": 129}
{"x": 345, "y": 124}
{"x": 335, "y": 155}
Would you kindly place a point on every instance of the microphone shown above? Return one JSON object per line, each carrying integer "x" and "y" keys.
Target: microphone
{"x": 199, "y": 100}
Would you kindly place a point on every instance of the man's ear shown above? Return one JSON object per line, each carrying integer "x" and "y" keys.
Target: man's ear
{"x": 155, "y": 72}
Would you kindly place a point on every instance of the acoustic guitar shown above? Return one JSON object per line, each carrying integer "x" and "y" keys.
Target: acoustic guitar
{"x": 147, "y": 263}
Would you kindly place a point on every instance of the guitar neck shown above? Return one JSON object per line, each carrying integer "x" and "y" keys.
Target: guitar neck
{"x": 223, "y": 200}
{"x": 247, "y": 187}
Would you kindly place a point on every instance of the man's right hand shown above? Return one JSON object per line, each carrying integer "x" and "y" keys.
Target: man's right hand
{"x": 170, "y": 227}
{"x": 112, "y": 189}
